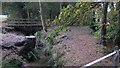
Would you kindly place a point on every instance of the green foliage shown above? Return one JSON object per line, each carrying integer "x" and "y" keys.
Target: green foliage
{"x": 21, "y": 10}
{"x": 113, "y": 27}
{"x": 97, "y": 33}
{"x": 96, "y": 29}
{"x": 13, "y": 63}
{"x": 13, "y": 9}
{"x": 67, "y": 16}
{"x": 111, "y": 31}
{"x": 50, "y": 10}
{"x": 75, "y": 15}
{"x": 112, "y": 24}
{"x": 38, "y": 36}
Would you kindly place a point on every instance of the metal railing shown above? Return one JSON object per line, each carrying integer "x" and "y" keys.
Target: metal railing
{"x": 114, "y": 54}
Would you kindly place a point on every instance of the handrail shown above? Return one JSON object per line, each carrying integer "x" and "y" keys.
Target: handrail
{"x": 102, "y": 58}
{"x": 98, "y": 60}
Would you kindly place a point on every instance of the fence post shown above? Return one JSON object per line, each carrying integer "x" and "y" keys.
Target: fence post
{"x": 116, "y": 57}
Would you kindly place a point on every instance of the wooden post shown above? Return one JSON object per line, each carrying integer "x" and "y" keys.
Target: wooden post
{"x": 116, "y": 57}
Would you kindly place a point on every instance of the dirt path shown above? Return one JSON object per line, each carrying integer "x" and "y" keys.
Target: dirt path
{"x": 80, "y": 47}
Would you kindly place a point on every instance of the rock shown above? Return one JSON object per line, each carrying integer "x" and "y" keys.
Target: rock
{"x": 9, "y": 40}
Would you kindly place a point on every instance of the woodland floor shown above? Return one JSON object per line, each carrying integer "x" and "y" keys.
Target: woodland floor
{"x": 80, "y": 47}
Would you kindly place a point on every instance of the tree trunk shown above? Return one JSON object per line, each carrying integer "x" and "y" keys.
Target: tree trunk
{"x": 41, "y": 15}
{"x": 104, "y": 22}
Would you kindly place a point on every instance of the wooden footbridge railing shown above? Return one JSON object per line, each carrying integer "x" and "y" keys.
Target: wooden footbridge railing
{"x": 22, "y": 23}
